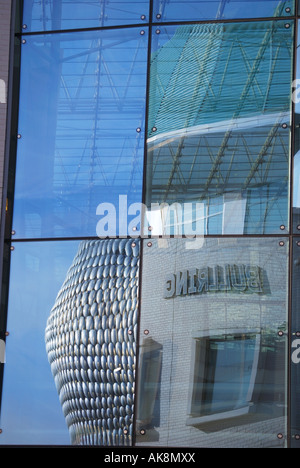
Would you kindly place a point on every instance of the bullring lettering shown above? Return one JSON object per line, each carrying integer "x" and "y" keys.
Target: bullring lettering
{"x": 238, "y": 278}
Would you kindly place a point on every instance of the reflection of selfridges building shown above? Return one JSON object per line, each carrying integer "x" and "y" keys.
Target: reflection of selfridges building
{"x": 92, "y": 331}
{"x": 91, "y": 342}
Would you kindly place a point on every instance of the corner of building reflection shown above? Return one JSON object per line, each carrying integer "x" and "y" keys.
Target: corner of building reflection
{"x": 212, "y": 346}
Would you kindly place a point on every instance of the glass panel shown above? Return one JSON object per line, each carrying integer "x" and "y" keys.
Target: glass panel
{"x": 81, "y": 128}
{"x": 213, "y": 343}
{"x": 193, "y": 10}
{"x": 296, "y": 162}
{"x": 219, "y": 124}
{"x": 75, "y": 14}
{"x": 295, "y": 344}
{"x": 74, "y": 305}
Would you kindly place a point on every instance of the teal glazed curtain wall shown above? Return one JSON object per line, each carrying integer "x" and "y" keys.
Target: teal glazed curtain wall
{"x": 153, "y": 227}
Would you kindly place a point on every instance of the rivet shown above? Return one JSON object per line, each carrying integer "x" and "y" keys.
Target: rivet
{"x": 24, "y": 26}
{"x": 12, "y": 248}
{"x": 138, "y": 129}
{"x": 129, "y": 332}
{"x": 158, "y": 16}
{"x": 19, "y": 136}
{"x": 143, "y": 17}
{"x": 134, "y": 228}
{"x": 0, "y": 431}
{"x": 154, "y": 129}
{"x": 150, "y": 228}
{"x": 298, "y": 227}
{"x": 281, "y": 243}
{"x": 298, "y": 243}
{"x": 288, "y": 10}
{"x": 142, "y": 33}
{"x": 280, "y": 436}
{"x": 287, "y": 26}
{"x": 284, "y": 125}
{"x": 23, "y": 41}
{"x": 280, "y": 333}
{"x": 297, "y": 333}
{"x": 157, "y": 31}
{"x": 282, "y": 227}
{"x": 133, "y": 244}
{"x": 297, "y": 436}
{"x": 125, "y": 431}
{"x": 146, "y": 332}
{"x": 149, "y": 244}
{"x": 142, "y": 432}
{"x": 13, "y": 233}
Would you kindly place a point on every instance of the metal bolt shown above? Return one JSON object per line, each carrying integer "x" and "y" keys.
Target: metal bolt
{"x": 282, "y": 227}
{"x": 142, "y": 33}
{"x": 12, "y": 248}
{"x": 13, "y": 233}
{"x": 287, "y": 26}
{"x": 157, "y": 31}
{"x": 280, "y": 436}
{"x": 23, "y": 41}
{"x": 149, "y": 244}
{"x": 158, "y": 16}
{"x": 138, "y": 129}
{"x": 24, "y": 26}
{"x": 284, "y": 125}
{"x": 281, "y": 243}
{"x": 143, "y": 17}
{"x": 288, "y": 10}
{"x": 280, "y": 333}
{"x": 146, "y": 332}
{"x": 142, "y": 432}
{"x": 19, "y": 136}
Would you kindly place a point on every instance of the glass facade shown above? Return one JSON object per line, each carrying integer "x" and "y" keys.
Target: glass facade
{"x": 150, "y": 287}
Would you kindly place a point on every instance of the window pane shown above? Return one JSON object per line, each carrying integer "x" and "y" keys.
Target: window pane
{"x": 75, "y": 14}
{"x": 295, "y": 344}
{"x": 193, "y": 10}
{"x": 296, "y": 162}
{"x": 82, "y": 105}
{"x": 70, "y": 356}
{"x": 213, "y": 348}
{"x": 219, "y": 124}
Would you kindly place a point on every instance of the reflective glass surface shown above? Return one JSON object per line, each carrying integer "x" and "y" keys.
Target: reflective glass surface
{"x": 81, "y": 126}
{"x": 295, "y": 348}
{"x": 296, "y": 161}
{"x": 195, "y": 10}
{"x": 31, "y": 412}
{"x": 75, "y": 14}
{"x": 213, "y": 347}
{"x": 69, "y": 369}
{"x": 219, "y": 116}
